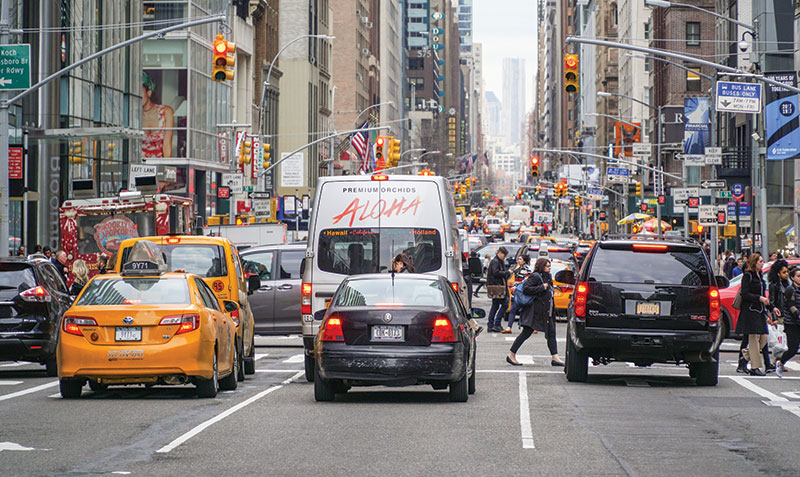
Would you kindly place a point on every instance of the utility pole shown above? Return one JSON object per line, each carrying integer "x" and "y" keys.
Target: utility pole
{"x": 4, "y": 190}
{"x": 332, "y": 132}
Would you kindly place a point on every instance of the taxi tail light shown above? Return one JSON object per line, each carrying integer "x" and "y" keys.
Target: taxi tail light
{"x": 332, "y": 331}
{"x": 305, "y": 299}
{"x": 454, "y": 286}
{"x": 581, "y": 294}
{"x": 713, "y": 305}
{"x": 36, "y": 294}
{"x": 72, "y": 324}
{"x": 186, "y": 323}
{"x": 443, "y": 331}
{"x": 235, "y": 317}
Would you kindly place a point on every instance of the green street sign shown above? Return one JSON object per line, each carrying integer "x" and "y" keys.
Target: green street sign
{"x": 15, "y": 67}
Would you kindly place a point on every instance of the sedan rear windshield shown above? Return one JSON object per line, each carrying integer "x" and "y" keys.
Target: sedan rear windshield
{"x": 670, "y": 268}
{"x": 371, "y": 250}
{"x": 136, "y": 291}
{"x": 390, "y": 292}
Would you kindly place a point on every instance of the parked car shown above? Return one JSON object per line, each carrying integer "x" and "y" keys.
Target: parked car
{"x": 276, "y": 303}
{"x": 33, "y": 299}
{"x": 394, "y": 330}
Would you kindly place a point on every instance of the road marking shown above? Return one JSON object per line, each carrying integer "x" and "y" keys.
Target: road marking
{"x": 532, "y": 371}
{"x": 525, "y": 358}
{"x": 277, "y": 371}
{"x": 792, "y": 365}
{"x": 12, "y": 365}
{"x": 525, "y": 413}
{"x": 5, "y": 397}
{"x": 260, "y": 355}
{"x": 13, "y": 446}
{"x": 55, "y": 396}
{"x": 201, "y": 427}
{"x": 298, "y": 358}
{"x": 10, "y": 383}
{"x": 773, "y": 399}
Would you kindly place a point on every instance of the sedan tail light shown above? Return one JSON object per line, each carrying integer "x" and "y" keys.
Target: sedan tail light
{"x": 305, "y": 299}
{"x": 713, "y": 305}
{"x": 36, "y": 294}
{"x": 443, "y": 331}
{"x": 332, "y": 330}
{"x": 581, "y": 294}
{"x": 72, "y": 324}
{"x": 186, "y": 323}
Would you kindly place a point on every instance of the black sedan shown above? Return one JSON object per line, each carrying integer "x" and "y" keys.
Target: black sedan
{"x": 395, "y": 330}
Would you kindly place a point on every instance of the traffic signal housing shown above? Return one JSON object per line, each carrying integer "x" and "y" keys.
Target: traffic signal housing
{"x": 394, "y": 152}
{"x": 267, "y": 154}
{"x": 245, "y": 152}
{"x": 224, "y": 61}
{"x": 571, "y": 73}
{"x": 76, "y": 153}
{"x": 638, "y": 186}
{"x": 535, "y": 166}
{"x": 380, "y": 144}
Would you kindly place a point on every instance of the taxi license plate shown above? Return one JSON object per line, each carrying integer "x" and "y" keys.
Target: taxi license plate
{"x": 388, "y": 333}
{"x": 648, "y": 308}
{"x": 128, "y": 333}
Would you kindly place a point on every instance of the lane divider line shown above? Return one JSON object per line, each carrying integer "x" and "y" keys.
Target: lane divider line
{"x": 34, "y": 389}
{"x": 10, "y": 383}
{"x": 525, "y": 413}
{"x": 772, "y": 399}
{"x": 201, "y": 427}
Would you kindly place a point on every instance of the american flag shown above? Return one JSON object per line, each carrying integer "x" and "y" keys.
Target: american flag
{"x": 359, "y": 141}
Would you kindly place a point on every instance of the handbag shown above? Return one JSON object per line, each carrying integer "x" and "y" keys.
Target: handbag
{"x": 496, "y": 291}
{"x": 520, "y": 299}
{"x": 737, "y": 302}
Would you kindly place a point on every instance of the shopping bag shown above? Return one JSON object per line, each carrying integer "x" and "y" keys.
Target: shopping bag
{"x": 776, "y": 340}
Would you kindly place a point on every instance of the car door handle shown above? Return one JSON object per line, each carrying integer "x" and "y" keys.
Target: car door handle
{"x": 265, "y": 288}
{"x": 285, "y": 287}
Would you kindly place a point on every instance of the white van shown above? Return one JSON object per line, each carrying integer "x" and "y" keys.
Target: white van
{"x": 359, "y": 223}
{"x": 520, "y": 212}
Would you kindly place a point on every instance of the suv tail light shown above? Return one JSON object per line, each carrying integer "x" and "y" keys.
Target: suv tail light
{"x": 36, "y": 294}
{"x": 581, "y": 293}
{"x": 443, "y": 331}
{"x": 454, "y": 286}
{"x": 649, "y": 247}
{"x": 186, "y": 323}
{"x": 332, "y": 331}
{"x": 713, "y": 305}
{"x": 305, "y": 299}
{"x": 72, "y": 324}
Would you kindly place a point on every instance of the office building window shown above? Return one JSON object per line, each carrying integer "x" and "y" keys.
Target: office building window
{"x": 692, "y": 33}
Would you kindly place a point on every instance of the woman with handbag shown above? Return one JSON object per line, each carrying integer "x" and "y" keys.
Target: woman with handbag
{"x": 791, "y": 321}
{"x": 753, "y": 316}
{"x": 539, "y": 316}
{"x": 519, "y": 273}
{"x": 497, "y": 290}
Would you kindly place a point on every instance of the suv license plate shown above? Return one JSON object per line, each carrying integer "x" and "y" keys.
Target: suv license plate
{"x": 648, "y": 308}
{"x": 388, "y": 333}
{"x": 128, "y": 333}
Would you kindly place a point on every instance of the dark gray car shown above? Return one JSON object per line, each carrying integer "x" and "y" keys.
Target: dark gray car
{"x": 276, "y": 304}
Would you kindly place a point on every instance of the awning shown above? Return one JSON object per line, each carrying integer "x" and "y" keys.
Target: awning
{"x": 94, "y": 133}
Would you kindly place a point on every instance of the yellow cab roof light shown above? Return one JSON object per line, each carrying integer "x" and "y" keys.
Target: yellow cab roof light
{"x": 145, "y": 258}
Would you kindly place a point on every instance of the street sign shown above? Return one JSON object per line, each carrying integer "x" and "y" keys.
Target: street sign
{"x": 737, "y": 191}
{"x": 235, "y": 181}
{"x": 713, "y": 160}
{"x": 542, "y": 217}
{"x": 738, "y": 97}
{"x": 713, "y": 151}
{"x": 15, "y": 166}
{"x": 641, "y": 149}
{"x": 744, "y": 210}
{"x": 595, "y": 194}
{"x": 261, "y": 204}
{"x": 223, "y": 192}
{"x": 723, "y": 194}
{"x": 693, "y": 159}
{"x": 707, "y": 215}
{"x": 712, "y": 184}
{"x": 693, "y": 202}
{"x": 15, "y": 67}
{"x": 618, "y": 174}
{"x": 681, "y": 194}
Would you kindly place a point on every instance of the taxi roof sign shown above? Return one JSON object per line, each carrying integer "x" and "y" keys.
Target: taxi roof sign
{"x": 145, "y": 258}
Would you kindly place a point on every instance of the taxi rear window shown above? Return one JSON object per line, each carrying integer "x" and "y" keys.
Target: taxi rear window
{"x": 199, "y": 259}
{"x": 136, "y": 291}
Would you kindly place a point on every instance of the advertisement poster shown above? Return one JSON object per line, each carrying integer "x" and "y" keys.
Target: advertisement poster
{"x": 164, "y": 112}
{"x": 695, "y": 125}
{"x": 624, "y": 136}
{"x": 292, "y": 170}
{"x": 781, "y": 118}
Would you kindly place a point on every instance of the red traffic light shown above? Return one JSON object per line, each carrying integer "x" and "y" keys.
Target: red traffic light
{"x": 379, "y": 142}
{"x": 535, "y": 161}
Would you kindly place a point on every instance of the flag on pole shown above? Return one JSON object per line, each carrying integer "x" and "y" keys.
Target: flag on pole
{"x": 359, "y": 141}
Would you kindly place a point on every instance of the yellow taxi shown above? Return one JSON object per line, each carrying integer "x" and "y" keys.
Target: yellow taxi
{"x": 217, "y": 261}
{"x": 562, "y": 292}
{"x": 147, "y": 326}
{"x": 540, "y": 238}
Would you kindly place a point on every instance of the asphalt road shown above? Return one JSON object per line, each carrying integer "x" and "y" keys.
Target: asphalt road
{"x": 624, "y": 421}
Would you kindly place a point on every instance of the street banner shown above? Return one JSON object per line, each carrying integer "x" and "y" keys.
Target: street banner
{"x": 781, "y": 121}
{"x": 695, "y": 126}
{"x": 624, "y": 137}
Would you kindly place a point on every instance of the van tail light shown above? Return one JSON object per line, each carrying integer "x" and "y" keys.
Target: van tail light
{"x": 454, "y": 286}
{"x": 186, "y": 323}
{"x": 72, "y": 324}
{"x": 443, "y": 331}
{"x": 581, "y": 294}
{"x": 36, "y": 294}
{"x": 305, "y": 299}
{"x": 713, "y": 305}
{"x": 332, "y": 331}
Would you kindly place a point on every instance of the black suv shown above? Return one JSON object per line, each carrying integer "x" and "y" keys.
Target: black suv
{"x": 645, "y": 301}
{"x": 33, "y": 298}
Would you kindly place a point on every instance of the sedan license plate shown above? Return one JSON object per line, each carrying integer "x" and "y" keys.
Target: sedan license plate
{"x": 128, "y": 333}
{"x": 648, "y": 308}
{"x": 388, "y": 333}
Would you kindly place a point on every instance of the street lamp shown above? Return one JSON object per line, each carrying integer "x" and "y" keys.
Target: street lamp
{"x": 371, "y": 107}
{"x": 411, "y": 150}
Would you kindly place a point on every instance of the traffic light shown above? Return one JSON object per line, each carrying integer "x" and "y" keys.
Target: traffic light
{"x": 571, "y": 73}
{"x": 393, "y": 153}
{"x": 111, "y": 151}
{"x": 245, "y": 152}
{"x": 577, "y": 201}
{"x": 538, "y": 189}
{"x": 222, "y": 68}
{"x": 379, "y": 145}
{"x": 425, "y": 172}
{"x": 76, "y": 153}
{"x": 638, "y": 185}
{"x": 267, "y": 154}
{"x": 535, "y": 166}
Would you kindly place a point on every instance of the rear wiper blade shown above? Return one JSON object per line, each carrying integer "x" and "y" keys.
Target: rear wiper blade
{"x": 7, "y": 287}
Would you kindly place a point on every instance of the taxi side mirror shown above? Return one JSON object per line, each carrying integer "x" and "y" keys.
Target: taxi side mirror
{"x": 319, "y": 315}
{"x": 253, "y": 284}
{"x": 565, "y": 276}
{"x": 230, "y": 306}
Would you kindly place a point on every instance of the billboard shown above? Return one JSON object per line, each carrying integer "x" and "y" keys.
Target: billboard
{"x": 164, "y": 93}
{"x": 695, "y": 125}
{"x": 781, "y": 118}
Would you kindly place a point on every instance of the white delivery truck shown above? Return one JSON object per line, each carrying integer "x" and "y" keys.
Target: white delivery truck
{"x": 520, "y": 212}
{"x": 249, "y": 235}
{"x": 359, "y": 223}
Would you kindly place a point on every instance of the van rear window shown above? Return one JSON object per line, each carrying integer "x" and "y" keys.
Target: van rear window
{"x": 671, "y": 268}
{"x": 371, "y": 250}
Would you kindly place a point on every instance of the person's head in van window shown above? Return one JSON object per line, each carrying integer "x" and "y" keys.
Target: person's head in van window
{"x": 402, "y": 264}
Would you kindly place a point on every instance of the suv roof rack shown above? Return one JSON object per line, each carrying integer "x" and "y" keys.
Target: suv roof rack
{"x": 648, "y": 237}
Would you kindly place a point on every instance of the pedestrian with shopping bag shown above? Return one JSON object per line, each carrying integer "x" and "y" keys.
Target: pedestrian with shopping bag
{"x": 791, "y": 324}
{"x": 754, "y": 314}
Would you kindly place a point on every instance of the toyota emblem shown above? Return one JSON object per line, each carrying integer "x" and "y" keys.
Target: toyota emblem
{"x": 127, "y": 320}
{"x": 387, "y": 317}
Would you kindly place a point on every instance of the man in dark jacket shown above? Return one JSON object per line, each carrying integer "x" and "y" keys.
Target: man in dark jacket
{"x": 495, "y": 277}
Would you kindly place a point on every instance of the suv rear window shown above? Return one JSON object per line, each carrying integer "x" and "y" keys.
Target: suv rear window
{"x": 12, "y": 275}
{"x": 670, "y": 268}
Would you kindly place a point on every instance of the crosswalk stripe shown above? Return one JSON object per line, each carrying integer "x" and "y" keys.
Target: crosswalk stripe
{"x": 298, "y": 358}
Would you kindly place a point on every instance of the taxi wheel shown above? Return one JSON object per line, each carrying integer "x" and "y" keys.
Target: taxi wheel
{"x": 229, "y": 382}
{"x": 70, "y": 388}
{"x": 207, "y": 388}
{"x": 250, "y": 362}
{"x": 240, "y": 368}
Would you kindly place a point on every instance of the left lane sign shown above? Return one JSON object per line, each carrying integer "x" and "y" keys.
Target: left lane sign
{"x": 15, "y": 67}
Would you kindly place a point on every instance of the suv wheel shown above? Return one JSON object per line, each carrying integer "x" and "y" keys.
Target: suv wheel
{"x": 577, "y": 366}
{"x": 707, "y": 374}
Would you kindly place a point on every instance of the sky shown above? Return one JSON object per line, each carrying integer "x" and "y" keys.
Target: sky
{"x": 507, "y": 28}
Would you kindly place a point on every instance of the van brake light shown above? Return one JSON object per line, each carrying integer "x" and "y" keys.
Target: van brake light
{"x": 649, "y": 247}
{"x": 332, "y": 331}
{"x": 380, "y": 177}
{"x": 305, "y": 299}
{"x": 72, "y": 324}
